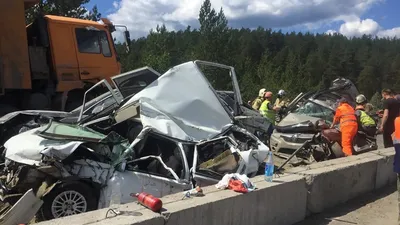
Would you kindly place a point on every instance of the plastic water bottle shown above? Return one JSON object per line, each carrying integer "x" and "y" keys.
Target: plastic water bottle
{"x": 115, "y": 200}
{"x": 269, "y": 168}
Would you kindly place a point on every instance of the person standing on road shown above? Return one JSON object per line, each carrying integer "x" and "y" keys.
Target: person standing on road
{"x": 259, "y": 100}
{"x": 267, "y": 110}
{"x": 391, "y": 108}
{"x": 345, "y": 115}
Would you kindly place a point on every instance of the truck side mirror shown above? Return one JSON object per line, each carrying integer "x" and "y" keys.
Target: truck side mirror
{"x": 127, "y": 40}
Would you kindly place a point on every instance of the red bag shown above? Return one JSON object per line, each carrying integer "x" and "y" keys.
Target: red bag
{"x": 237, "y": 186}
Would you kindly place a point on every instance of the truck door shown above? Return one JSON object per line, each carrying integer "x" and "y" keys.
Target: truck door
{"x": 95, "y": 54}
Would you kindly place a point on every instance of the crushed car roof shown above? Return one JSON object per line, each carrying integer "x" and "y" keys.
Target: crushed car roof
{"x": 182, "y": 104}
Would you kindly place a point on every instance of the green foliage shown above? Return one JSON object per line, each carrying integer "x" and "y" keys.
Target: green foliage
{"x": 67, "y": 8}
{"x": 376, "y": 101}
{"x": 296, "y": 62}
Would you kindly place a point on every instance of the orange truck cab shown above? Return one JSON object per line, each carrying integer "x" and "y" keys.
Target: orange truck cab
{"x": 49, "y": 63}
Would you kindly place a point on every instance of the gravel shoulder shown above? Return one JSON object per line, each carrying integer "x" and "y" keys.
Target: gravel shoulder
{"x": 379, "y": 207}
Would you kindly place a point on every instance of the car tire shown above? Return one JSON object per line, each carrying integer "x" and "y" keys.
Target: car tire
{"x": 55, "y": 206}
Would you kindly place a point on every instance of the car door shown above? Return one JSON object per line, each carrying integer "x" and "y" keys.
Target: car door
{"x": 159, "y": 180}
{"x": 215, "y": 158}
{"x": 134, "y": 81}
{"x": 203, "y": 65}
{"x": 94, "y": 52}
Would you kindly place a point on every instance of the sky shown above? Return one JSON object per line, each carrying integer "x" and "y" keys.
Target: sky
{"x": 348, "y": 17}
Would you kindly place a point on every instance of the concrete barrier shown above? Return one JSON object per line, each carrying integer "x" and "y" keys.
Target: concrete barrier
{"x": 300, "y": 191}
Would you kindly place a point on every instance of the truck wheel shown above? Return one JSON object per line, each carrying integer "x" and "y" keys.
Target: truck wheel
{"x": 68, "y": 199}
{"x": 5, "y": 109}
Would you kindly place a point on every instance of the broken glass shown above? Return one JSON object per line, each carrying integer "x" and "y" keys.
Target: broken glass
{"x": 71, "y": 132}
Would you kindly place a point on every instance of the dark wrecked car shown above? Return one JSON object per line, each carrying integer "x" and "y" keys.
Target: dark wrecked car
{"x": 304, "y": 111}
{"x": 186, "y": 140}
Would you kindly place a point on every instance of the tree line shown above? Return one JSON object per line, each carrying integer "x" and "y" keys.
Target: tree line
{"x": 263, "y": 58}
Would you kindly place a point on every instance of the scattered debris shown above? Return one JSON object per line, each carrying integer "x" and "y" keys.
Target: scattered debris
{"x": 195, "y": 192}
{"x": 236, "y": 182}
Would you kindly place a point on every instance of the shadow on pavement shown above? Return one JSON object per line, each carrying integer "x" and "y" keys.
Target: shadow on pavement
{"x": 335, "y": 213}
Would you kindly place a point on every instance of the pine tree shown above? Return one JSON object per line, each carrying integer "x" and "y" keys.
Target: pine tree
{"x": 67, "y": 8}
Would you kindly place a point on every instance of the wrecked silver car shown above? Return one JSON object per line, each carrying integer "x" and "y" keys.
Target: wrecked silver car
{"x": 99, "y": 100}
{"x": 185, "y": 141}
{"x": 304, "y": 111}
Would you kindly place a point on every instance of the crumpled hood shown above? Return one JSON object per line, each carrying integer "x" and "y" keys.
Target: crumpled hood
{"x": 294, "y": 118}
{"x": 11, "y": 115}
{"x": 183, "y": 97}
{"x": 28, "y": 147}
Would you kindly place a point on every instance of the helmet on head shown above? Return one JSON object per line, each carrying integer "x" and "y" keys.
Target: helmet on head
{"x": 261, "y": 92}
{"x": 268, "y": 94}
{"x": 281, "y": 92}
{"x": 360, "y": 99}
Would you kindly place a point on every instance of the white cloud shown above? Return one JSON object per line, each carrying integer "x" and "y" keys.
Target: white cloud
{"x": 331, "y": 32}
{"x": 142, "y": 15}
{"x": 116, "y": 4}
{"x": 358, "y": 27}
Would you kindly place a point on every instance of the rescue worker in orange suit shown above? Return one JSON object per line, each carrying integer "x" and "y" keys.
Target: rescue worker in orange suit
{"x": 345, "y": 115}
{"x": 396, "y": 163}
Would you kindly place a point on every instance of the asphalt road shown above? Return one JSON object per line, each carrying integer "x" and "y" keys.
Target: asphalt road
{"x": 379, "y": 207}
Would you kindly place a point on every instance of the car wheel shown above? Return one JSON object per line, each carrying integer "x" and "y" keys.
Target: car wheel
{"x": 68, "y": 199}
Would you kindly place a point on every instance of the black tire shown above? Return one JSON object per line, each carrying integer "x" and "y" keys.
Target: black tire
{"x": 84, "y": 190}
{"x": 5, "y": 109}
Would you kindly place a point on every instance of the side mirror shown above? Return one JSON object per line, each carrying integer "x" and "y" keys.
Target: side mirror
{"x": 127, "y": 40}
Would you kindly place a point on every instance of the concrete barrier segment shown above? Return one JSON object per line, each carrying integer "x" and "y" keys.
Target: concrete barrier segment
{"x": 335, "y": 184}
{"x": 385, "y": 175}
{"x": 278, "y": 203}
{"x": 299, "y": 191}
{"x": 132, "y": 213}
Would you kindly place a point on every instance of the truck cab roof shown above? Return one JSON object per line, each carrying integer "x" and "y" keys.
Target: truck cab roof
{"x": 61, "y": 19}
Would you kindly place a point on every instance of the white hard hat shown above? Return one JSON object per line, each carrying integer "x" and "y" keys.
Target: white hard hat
{"x": 361, "y": 99}
{"x": 281, "y": 92}
{"x": 261, "y": 92}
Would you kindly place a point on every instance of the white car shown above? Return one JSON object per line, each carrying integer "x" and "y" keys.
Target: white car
{"x": 186, "y": 140}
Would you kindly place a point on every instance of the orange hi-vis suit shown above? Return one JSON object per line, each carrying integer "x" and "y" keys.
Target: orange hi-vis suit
{"x": 348, "y": 126}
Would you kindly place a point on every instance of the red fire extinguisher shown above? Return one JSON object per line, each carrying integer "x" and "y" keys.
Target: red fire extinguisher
{"x": 149, "y": 201}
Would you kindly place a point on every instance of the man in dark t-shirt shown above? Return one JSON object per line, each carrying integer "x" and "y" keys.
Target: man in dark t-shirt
{"x": 391, "y": 108}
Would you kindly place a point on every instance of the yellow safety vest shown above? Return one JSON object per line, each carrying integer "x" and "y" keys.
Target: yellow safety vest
{"x": 267, "y": 113}
{"x": 365, "y": 119}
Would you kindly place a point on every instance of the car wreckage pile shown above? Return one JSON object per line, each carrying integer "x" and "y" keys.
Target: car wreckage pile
{"x": 158, "y": 134}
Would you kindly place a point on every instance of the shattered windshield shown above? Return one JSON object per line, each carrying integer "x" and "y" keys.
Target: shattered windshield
{"x": 313, "y": 109}
{"x": 55, "y": 130}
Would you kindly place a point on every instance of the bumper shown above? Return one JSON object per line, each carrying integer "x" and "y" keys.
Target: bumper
{"x": 22, "y": 211}
{"x": 285, "y": 143}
